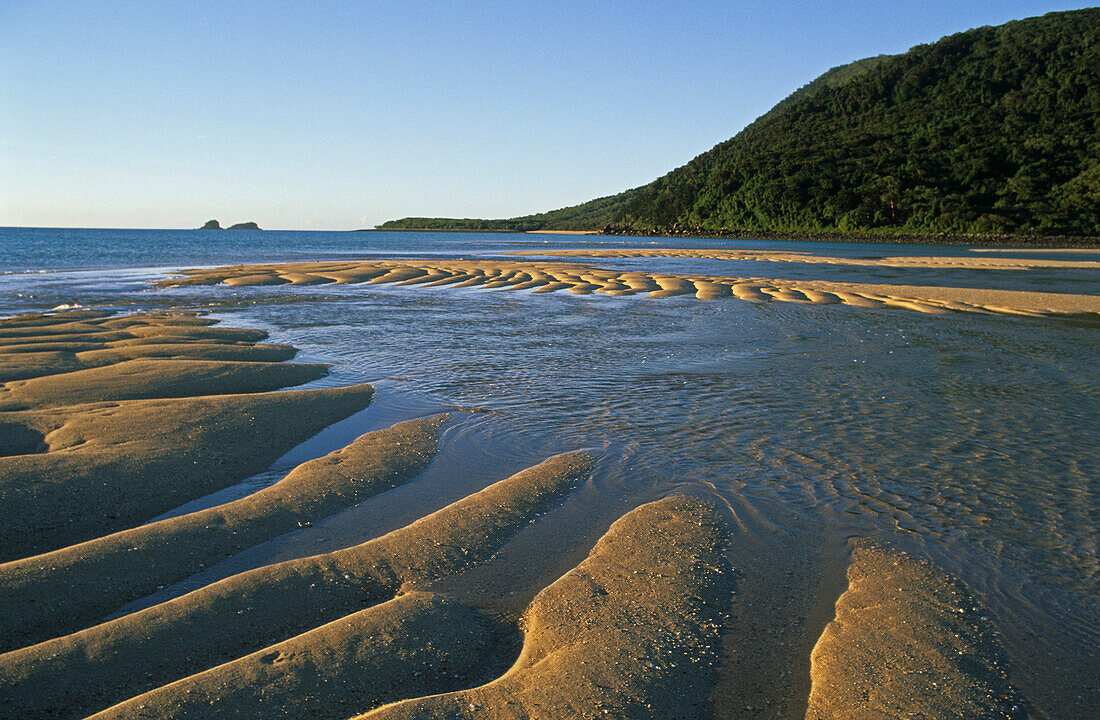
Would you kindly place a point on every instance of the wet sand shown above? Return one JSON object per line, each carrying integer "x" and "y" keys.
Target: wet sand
{"x": 647, "y": 626}
{"x": 908, "y": 641}
{"x": 545, "y": 277}
{"x": 80, "y": 446}
{"x": 62, "y": 591}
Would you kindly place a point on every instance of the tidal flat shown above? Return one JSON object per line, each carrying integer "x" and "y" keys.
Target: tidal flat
{"x": 498, "y": 477}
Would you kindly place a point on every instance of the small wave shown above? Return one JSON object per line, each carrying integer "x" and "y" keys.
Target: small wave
{"x": 67, "y": 306}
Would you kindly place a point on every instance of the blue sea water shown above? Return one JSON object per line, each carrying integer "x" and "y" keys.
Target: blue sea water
{"x": 967, "y": 439}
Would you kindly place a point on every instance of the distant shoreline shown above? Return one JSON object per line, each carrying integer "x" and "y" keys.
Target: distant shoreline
{"x": 441, "y": 230}
{"x": 1023, "y": 241}
{"x": 494, "y": 230}
{"x": 1080, "y": 242}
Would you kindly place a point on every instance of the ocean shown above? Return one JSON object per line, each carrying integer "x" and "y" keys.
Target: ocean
{"x": 970, "y": 440}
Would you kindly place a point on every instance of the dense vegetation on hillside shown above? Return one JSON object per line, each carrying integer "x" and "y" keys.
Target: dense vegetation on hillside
{"x": 592, "y": 215}
{"x": 992, "y": 130}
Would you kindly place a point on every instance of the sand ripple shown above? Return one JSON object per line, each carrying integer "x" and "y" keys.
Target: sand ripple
{"x": 63, "y": 591}
{"x": 631, "y": 632}
{"x": 122, "y": 404}
{"x": 102, "y": 665}
{"x": 544, "y": 277}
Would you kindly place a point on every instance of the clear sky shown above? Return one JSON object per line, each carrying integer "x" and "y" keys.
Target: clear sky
{"x": 339, "y": 115}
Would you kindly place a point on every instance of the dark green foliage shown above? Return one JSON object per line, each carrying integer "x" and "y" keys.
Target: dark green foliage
{"x": 833, "y": 78}
{"x": 591, "y": 215}
{"x": 993, "y": 130}
{"x": 471, "y": 224}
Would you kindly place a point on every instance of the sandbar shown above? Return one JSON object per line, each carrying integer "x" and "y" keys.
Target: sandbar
{"x": 542, "y": 277}
{"x": 79, "y": 446}
{"x": 65, "y": 590}
{"x": 908, "y": 641}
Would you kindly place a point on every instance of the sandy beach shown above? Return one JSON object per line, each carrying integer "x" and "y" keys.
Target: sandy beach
{"x": 656, "y": 622}
{"x": 563, "y": 232}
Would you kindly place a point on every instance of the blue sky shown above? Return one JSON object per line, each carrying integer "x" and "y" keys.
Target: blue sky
{"x": 339, "y": 115}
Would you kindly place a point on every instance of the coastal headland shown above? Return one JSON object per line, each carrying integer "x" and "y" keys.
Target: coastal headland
{"x": 984, "y": 137}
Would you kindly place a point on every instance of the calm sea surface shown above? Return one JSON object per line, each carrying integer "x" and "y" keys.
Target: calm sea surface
{"x": 971, "y": 440}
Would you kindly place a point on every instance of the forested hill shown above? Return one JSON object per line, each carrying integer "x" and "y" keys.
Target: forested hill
{"x": 993, "y": 130}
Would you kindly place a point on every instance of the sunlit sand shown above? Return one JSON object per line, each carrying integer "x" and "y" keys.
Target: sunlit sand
{"x": 543, "y": 277}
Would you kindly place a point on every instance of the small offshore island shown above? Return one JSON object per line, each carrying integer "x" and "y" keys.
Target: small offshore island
{"x": 215, "y": 225}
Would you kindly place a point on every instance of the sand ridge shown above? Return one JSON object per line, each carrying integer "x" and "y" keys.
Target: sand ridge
{"x": 545, "y": 277}
{"x": 63, "y": 591}
{"x": 35, "y": 345}
{"x": 908, "y": 641}
{"x": 32, "y": 360}
{"x": 630, "y": 632}
{"x": 154, "y": 378}
{"x": 639, "y": 629}
{"x": 85, "y": 476}
{"x": 74, "y": 675}
{"x": 84, "y": 430}
{"x": 358, "y": 661}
